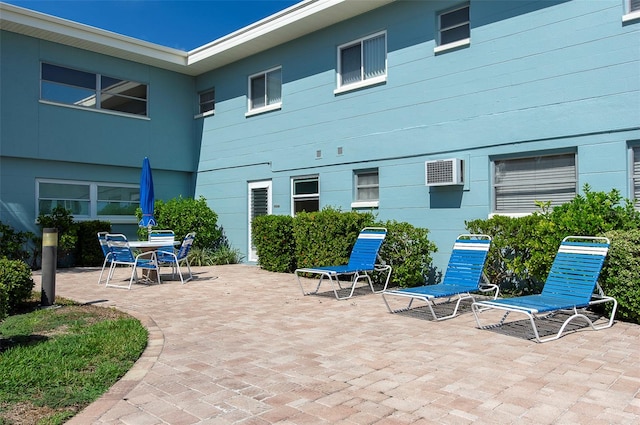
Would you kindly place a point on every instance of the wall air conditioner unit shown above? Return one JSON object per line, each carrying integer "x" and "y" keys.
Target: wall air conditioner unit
{"x": 444, "y": 172}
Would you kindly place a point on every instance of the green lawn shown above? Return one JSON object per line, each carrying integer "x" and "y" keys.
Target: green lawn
{"x": 56, "y": 361}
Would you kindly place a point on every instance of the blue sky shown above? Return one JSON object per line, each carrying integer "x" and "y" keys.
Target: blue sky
{"x": 180, "y": 24}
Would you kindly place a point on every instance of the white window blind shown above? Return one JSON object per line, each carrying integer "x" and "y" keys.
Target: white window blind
{"x": 367, "y": 186}
{"x": 636, "y": 175}
{"x": 362, "y": 60}
{"x": 265, "y": 89}
{"x": 519, "y": 183}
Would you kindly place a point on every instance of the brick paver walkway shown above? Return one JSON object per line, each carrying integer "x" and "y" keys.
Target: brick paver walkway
{"x": 239, "y": 345}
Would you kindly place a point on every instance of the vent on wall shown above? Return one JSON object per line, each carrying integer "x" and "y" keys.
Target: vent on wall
{"x": 443, "y": 172}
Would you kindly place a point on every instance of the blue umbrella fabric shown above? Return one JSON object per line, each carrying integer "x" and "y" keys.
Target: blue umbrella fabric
{"x": 147, "y": 198}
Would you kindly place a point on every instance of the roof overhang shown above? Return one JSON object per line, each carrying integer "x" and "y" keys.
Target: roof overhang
{"x": 291, "y": 23}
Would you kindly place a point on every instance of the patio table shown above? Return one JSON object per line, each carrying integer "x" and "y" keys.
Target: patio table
{"x": 146, "y": 246}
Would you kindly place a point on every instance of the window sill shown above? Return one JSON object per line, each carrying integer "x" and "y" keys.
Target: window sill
{"x": 508, "y": 214}
{"x": 365, "y": 204}
{"x": 100, "y": 111}
{"x": 268, "y": 108}
{"x": 206, "y": 114}
{"x": 631, "y": 16}
{"x": 361, "y": 84}
{"x": 452, "y": 46}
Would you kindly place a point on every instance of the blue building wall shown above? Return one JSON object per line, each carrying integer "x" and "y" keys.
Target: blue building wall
{"x": 537, "y": 77}
{"x": 40, "y": 140}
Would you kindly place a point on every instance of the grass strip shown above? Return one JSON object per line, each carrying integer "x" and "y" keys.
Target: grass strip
{"x": 63, "y": 359}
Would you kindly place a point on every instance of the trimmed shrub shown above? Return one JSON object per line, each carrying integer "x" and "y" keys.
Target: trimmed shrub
{"x": 88, "y": 251}
{"x": 620, "y": 276}
{"x": 16, "y": 280}
{"x": 273, "y": 238}
{"x": 407, "y": 250}
{"x": 326, "y": 237}
{"x": 515, "y": 248}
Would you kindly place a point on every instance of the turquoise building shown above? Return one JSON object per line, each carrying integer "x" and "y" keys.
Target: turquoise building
{"x": 430, "y": 112}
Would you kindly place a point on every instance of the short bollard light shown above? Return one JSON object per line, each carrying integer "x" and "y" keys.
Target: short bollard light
{"x": 49, "y": 261}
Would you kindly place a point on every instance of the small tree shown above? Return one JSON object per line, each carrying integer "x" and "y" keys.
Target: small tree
{"x": 62, "y": 220}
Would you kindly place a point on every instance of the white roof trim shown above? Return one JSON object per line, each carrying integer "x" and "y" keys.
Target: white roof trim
{"x": 288, "y": 24}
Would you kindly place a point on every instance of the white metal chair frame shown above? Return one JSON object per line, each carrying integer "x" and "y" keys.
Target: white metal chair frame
{"x": 168, "y": 256}
{"x": 102, "y": 239}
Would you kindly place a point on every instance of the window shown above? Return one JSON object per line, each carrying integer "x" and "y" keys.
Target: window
{"x": 367, "y": 189}
{"x": 362, "y": 62}
{"x": 518, "y": 183}
{"x": 453, "y": 27}
{"x": 636, "y": 176}
{"x": 93, "y": 91}
{"x": 207, "y": 102}
{"x": 88, "y": 200}
{"x": 632, "y": 11}
{"x": 265, "y": 91}
{"x": 306, "y": 194}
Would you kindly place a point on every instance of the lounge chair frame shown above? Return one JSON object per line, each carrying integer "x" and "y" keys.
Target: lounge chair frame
{"x": 464, "y": 277}
{"x": 364, "y": 259}
{"x": 571, "y": 287}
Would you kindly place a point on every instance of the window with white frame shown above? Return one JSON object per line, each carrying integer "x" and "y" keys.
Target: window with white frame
{"x": 89, "y": 200}
{"x": 362, "y": 62}
{"x": 636, "y": 176}
{"x": 367, "y": 188}
{"x": 519, "y": 183}
{"x": 454, "y": 26}
{"x": 265, "y": 91}
{"x": 305, "y": 194}
{"x": 631, "y": 11}
{"x": 207, "y": 102}
{"x": 69, "y": 86}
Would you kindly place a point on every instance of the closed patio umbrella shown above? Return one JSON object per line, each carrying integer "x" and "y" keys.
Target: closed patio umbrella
{"x": 146, "y": 195}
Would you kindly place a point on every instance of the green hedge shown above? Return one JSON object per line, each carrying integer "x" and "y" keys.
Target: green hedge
{"x": 524, "y": 248}
{"x": 88, "y": 252}
{"x": 407, "y": 250}
{"x": 326, "y": 237}
{"x": 274, "y": 242}
{"x": 620, "y": 277}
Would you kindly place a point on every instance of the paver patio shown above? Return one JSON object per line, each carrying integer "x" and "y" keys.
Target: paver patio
{"x": 240, "y": 345}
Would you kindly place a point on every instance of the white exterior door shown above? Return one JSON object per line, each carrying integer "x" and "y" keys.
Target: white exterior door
{"x": 259, "y": 204}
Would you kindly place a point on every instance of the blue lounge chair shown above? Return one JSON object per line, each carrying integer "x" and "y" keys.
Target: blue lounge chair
{"x": 362, "y": 261}
{"x": 572, "y": 284}
{"x": 462, "y": 278}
